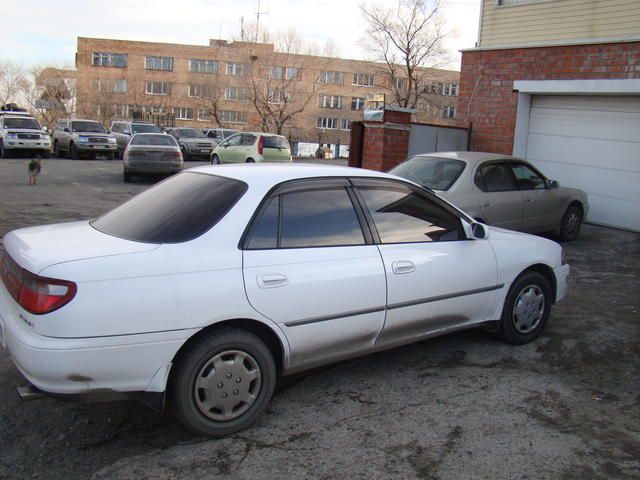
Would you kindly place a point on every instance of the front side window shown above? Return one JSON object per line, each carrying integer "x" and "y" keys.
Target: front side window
{"x": 158, "y": 63}
{"x": 403, "y": 215}
{"x": 527, "y": 178}
{"x": 309, "y": 218}
{"x": 495, "y": 177}
{"x": 174, "y": 211}
{"x": 102, "y": 59}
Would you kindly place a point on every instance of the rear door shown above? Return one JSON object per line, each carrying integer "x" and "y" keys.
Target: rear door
{"x": 500, "y": 200}
{"x": 311, "y": 267}
{"x": 228, "y": 151}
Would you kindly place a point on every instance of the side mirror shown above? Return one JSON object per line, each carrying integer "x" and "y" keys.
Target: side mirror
{"x": 66, "y": 129}
{"x": 108, "y": 131}
{"x": 476, "y": 230}
{"x": 126, "y": 132}
{"x": 552, "y": 184}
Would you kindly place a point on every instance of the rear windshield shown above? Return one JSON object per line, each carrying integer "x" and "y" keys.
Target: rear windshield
{"x": 87, "y": 127}
{"x": 190, "y": 133}
{"x": 160, "y": 139}
{"x": 142, "y": 128}
{"x": 29, "y": 123}
{"x": 275, "y": 142}
{"x": 177, "y": 210}
{"x": 431, "y": 172}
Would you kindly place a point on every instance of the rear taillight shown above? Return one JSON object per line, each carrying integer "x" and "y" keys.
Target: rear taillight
{"x": 36, "y": 294}
{"x": 173, "y": 154}
{"x": 260, "y": 145}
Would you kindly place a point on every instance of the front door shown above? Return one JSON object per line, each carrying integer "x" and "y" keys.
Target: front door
{"x": 542, "y": 206}
{"x": 310, "y": 267}
{"x": 432, "y": 269}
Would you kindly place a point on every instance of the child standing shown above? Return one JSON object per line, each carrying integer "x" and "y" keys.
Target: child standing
{"x": 34, "y": 169}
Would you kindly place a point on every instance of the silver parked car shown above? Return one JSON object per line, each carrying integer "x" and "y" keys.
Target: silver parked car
{"x": 500, "y": 190}
{"x": 124, "y": 129}
{"x": 151, "y": 154}
{"x": 83, "y": 138}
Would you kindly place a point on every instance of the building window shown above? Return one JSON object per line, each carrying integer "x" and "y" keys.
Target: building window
{"x": 235, "y": 93}
{"x": 330, "y": 77}
{"x": 362, "y": 79}
{"x": 230, "y": 116}
{"x": 278, "y": 96}
{"x": 182, "y": 113}
{"x": 400, "y": 83}
{"x": 324, "y": 122}
{"x": 357, "y": 103}
{"x": 202, "y": 91}
{"x": 346, "y": 124}
{"x": 292, "y": 73}
{"x": 203, "y": 66}
{"x": 153, "y": 109}
{"x": 101, "y": 59}
{"x": 450, "y": 89}
{"x": 449, "y": 112}
{"x": 204, "y": 115}
{"x": 157, "y": 88}
{"x": 274, "y": 72}
{"x": 158, "y": 63}
{"x": 124, "y": 111}
{"x": 235, "y": 69}
{"x": 109, "y": 85}
{"x": 329, "y": 101}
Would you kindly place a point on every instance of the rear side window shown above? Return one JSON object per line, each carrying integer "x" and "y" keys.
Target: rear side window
{"x": 431, "y": 172}
{"x": 275, "y": 142}
{"x": 495, "y": 177}
{"x": 307, "y": 218}
{"x": 176, "y": 210}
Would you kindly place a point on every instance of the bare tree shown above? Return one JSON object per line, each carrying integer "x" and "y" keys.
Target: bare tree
{"x": 282, "y": 83}
{"x": 407, "y": 40}
{"x": 14, "y": 81}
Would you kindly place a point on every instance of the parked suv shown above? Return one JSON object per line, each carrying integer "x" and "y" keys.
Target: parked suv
{"x": 192, "y": 142}
{"x": 83, "y": 137}
{"x": 252, "y": 147}
{"x": 20, "y": 132}
{"x": 123, "y": 130}
{"x": 219, "y": 134}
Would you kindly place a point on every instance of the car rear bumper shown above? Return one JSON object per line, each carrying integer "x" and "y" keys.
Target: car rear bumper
{"x": 152, "y": 166}
{"x": 127, "y": 363}
{"x": 562, "y": 278}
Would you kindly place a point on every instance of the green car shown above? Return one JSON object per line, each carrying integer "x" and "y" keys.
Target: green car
{"x": 252, "y": 147}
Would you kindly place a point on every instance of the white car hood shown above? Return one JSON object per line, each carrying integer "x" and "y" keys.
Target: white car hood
{"x": 36, "y": 248}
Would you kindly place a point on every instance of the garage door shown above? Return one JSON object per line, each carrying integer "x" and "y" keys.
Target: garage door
{"x": 592, "y": 143}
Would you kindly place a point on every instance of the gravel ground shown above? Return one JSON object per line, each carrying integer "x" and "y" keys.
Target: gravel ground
{"x": 461, "y": 406}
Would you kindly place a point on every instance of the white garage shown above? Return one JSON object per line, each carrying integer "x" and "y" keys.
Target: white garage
{"x": 590, "y": 141}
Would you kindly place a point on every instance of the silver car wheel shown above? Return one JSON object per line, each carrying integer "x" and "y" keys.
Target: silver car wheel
{"x": 528, "y": 309}
{"x": 227, "y": 385}
{"x": 572, "y": 223}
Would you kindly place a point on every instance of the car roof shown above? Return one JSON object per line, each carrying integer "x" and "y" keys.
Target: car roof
{"x": 268, "y": 174}
{"x": 468, "y": 157}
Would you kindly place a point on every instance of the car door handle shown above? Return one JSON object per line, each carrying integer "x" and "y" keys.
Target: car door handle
{"x": 272, "y": 281}
{"x": 528, "y": 200}
{"x": 403, "y": 266}
{"x": 486, "y": 204}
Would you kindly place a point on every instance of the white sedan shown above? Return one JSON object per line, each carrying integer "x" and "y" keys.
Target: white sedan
{"x": 207, "y": 287}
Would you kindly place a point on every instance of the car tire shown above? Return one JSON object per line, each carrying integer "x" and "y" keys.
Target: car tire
{"x": 215, "y": 160}
{"x": 3, "y": 152}
{"x": 126, "y": 176}
{"x": 571, "y": 223}
{"x": 57, "y": 150}
{"x": 185, "y": 154}
{"x": 73, "y": 151}
{"x": 526, "y": 308}
{"x": 246, "y": 375}
{"x": 250, "y": 160}
{"x": 110, "y": 155}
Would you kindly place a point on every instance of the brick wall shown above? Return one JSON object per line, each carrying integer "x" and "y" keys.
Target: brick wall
{"x": 386, "y": 144}
{"x": 486, "y": 98}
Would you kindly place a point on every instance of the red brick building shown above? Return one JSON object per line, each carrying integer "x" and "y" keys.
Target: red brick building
{"x": 558, "y": 82}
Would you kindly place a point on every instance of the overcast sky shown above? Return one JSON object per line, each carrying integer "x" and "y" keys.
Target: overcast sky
{"x": 45, "y": 31}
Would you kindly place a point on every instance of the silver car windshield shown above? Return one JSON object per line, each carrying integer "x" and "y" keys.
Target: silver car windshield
{"x": 431, "y": 172}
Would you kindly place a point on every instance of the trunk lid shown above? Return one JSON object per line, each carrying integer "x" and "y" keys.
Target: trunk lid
{"x": 36, "y": 248}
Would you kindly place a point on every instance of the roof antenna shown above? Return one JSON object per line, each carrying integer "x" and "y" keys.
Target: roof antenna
{"x": 258, "y": 13}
